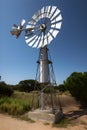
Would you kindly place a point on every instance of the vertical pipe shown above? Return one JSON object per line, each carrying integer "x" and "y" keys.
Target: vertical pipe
{"x": 44, "y": 65}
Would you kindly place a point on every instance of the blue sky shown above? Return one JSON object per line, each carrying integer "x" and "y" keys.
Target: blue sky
{"x": 68, "y": 50}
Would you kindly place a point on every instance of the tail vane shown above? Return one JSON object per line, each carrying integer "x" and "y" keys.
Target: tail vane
{"x": 16, "y": 30}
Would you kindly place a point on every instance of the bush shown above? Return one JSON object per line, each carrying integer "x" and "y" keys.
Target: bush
{"x": 61, "y": 88}
{"x": 76, "y": 83}
{"x": 13, "y": 106}
{"x": 5, "y": 90}
{"x": 27, "y": 86}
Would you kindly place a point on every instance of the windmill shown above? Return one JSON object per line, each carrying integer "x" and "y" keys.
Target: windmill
{"x": 39, "y": 32}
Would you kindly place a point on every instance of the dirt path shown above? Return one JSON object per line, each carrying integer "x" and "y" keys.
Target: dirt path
{"x": 9, "y": 123}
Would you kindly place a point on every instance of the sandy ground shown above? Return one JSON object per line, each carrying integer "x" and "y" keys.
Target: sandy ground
{"x": 9, "y": 123}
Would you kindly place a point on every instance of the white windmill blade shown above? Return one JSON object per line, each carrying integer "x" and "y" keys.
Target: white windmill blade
{"x": 53, "y": 26}
{"x": 37, "y": 42}
{"x": 58, "y": 18}
{"x": 35, "y": 17}
{"x": 55, "y": 14}
{"x": 32, "y": 37}
{"x": 30, "y": 27}
{"x": 29, "y": 39}
{"x": 45, "y": 40}
{"x": 42, "y": 12}
{"x": 50, "y": 38}
{"x": 33, "y": 41}
{"x": 53, "y": 32}
{"x": 57, "y": 25}
{"x": 23, "y": 22}
{"x": 39, "y": 12}
{"x": 40, "y": 44}
{"x": 38, "y": 39}
{"x": 32, "y": 22}
{"x": 39, "y": 15}
{"x": 46, "y": 9}
{"x": 53, "y": 9}
{"x": 48, "y": 12}
{"x": 41, "y": 41}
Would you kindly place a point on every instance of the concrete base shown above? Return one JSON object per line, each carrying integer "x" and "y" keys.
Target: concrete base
{"x": 45, "y": 116}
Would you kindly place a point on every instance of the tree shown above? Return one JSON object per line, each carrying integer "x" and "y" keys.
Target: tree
{"x": 27, "y": 85}
{"x": 76, "y": 83}
{"x": 61, "y": 88}
{"x": 5, "y": 90}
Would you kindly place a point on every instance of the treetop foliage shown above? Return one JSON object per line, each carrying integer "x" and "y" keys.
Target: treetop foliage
{"x": 76, "y": 83}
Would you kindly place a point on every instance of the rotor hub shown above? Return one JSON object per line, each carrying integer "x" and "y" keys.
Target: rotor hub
{"x": 43, "y": 28}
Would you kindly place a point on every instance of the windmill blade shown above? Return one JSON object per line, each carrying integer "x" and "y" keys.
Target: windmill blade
{"x": 53, "y": 32}
{"x": 58, "y": 18}
{"x": 33, "y": 41}
{"x": 29, "y": 39}
{"x": 36, "y": 43}
{"x": 42, "y": 12}
{"x": 55, "y": 14}
{"x": 32, "y": 22}
{"x": 48, "y": 11}
{"x": 35, "y": 17}
{"x": 56, "y": 25}
{"x": 40, "y": 16}
{"x": 53, "y": 9}
{"x": 41, "y": 41}
{"x": 50, "y": 38}
{"x": 30, "y": 27}
{"x": 37, "y": 40}
{"x": 45, "y": 40}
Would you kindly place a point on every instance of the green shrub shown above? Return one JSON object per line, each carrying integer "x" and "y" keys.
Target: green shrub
{"x": 32, "y": 98}
{"x": 5, "y": 90}
{"x": 76, "y": 84}
{"x": 14, "y": 106}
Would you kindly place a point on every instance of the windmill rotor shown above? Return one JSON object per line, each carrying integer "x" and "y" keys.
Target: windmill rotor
{"x": 45, "y": 25}
{"x": 48, "y": 21}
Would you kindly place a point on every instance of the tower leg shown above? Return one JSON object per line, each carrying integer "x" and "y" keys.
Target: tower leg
{"x": 42, "y": 101}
